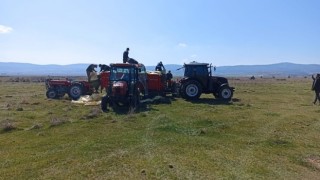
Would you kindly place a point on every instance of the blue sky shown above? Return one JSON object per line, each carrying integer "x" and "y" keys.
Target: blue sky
{"x": 222, "y": 32}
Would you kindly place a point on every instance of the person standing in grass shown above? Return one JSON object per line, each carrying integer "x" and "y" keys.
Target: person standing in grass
{"x": 316, "y": 88}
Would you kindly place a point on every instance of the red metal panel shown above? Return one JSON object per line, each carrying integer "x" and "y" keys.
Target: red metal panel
{"x": 154, "y": 82}
{"x": 104, "y": 79}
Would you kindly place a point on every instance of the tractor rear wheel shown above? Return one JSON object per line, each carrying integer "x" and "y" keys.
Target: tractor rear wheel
{"x": 75, "y": 91}
{"x": 225, "y": 93}
{"x": 52, "y": 94}
{"x": 191, "y": 90}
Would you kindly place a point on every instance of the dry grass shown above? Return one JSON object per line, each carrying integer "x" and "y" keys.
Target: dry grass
{"x": 55, "y": 121}
{"x": 7, "y": 125}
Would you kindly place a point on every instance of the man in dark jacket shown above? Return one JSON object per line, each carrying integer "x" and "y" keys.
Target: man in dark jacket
{"x": 126, "y": 55}
{"x": 316, "y": 87}
{"x": 159, "y": 66}
{"x": 169, "y": 77}
{"x": 90, "y": 69}
{"x": 132, "y": 61}
{"x": 104, "y": 67}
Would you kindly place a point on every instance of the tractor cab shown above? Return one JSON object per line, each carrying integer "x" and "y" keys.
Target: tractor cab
{"x": 199, "y": 71}
{"x": 128, "y": 75}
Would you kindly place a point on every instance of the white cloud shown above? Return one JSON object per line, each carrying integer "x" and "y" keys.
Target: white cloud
{"x": 182, "y": 45}
{"x": 5, "y": 29}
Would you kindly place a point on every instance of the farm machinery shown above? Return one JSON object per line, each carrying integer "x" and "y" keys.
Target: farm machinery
{"x": 126, "y": 84}
{"x": 58, "y": 88}
{"x": 198, "y": 79}
{"x": 129, "y": 83}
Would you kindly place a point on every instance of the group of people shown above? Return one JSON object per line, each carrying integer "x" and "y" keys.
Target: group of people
{"x": 92, "y": 74}
{"x": 91, "y": 71}
{"x": 159, "y": 66}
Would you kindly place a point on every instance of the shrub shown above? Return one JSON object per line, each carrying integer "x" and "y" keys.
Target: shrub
{"x": 7, "y": 125}
{"x": 57, "y": 121}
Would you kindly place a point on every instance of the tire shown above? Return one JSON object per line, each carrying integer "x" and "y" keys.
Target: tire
{"x": 174, "y": 90}
{"x": 104, "y": 104}
{"x": 191, "y": 90}
{"x": 181, "y": 93}
{"x": 52, "y": 94}
{"x": 134, "y": 102}
{"x": 118, "y": 104}
{"x": 75, "y": 91}
{"x": 225, "y": 93}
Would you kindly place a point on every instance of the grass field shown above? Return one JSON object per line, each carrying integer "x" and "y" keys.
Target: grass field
{"x": 270, "y": 130}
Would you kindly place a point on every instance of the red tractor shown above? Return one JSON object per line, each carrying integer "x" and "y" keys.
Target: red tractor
{"x": 127, "y": 83}
{"x": 58, "y": 88}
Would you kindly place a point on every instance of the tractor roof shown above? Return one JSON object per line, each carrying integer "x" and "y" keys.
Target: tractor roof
{"x": 194, "y": 63}
{"x": 126, "y": 65}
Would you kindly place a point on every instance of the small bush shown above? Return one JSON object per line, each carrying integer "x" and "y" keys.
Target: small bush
{"x": 57, "y": 121}
{"x": 95, "y": 112}
{"x": 24, "y": 101}
{"x": 19, "y": 109}
{"x": 7, "y": 126}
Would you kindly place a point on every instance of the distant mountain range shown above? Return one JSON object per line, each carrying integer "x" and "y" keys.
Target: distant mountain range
{"x": 280, "y": 69}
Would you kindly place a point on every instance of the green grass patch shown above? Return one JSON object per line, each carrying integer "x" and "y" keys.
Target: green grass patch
{"x": 269, "y": 131}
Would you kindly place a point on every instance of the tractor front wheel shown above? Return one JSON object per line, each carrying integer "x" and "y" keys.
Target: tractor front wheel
{"x": 134, "y": 101}
{"x": 191, "y": 90}
{"x": 225, "y": 93}
{"x": 52, "y": 94}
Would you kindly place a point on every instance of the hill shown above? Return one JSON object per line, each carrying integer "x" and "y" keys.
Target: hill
{"x": 280, "y": 69}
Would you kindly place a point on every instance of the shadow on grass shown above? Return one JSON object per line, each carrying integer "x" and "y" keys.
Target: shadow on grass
{"x": 211, "y": 101}
{"x": 145, "y": 105}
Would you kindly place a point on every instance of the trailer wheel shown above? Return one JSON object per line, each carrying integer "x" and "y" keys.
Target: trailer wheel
{"x": 75, "y": 91}
{"x": 191, "y": 90}
{"x": 52, "y": 94}
{"x": 225, "y": 93}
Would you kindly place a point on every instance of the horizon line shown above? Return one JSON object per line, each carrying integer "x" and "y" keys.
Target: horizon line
{"x": 155, "y": 65}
